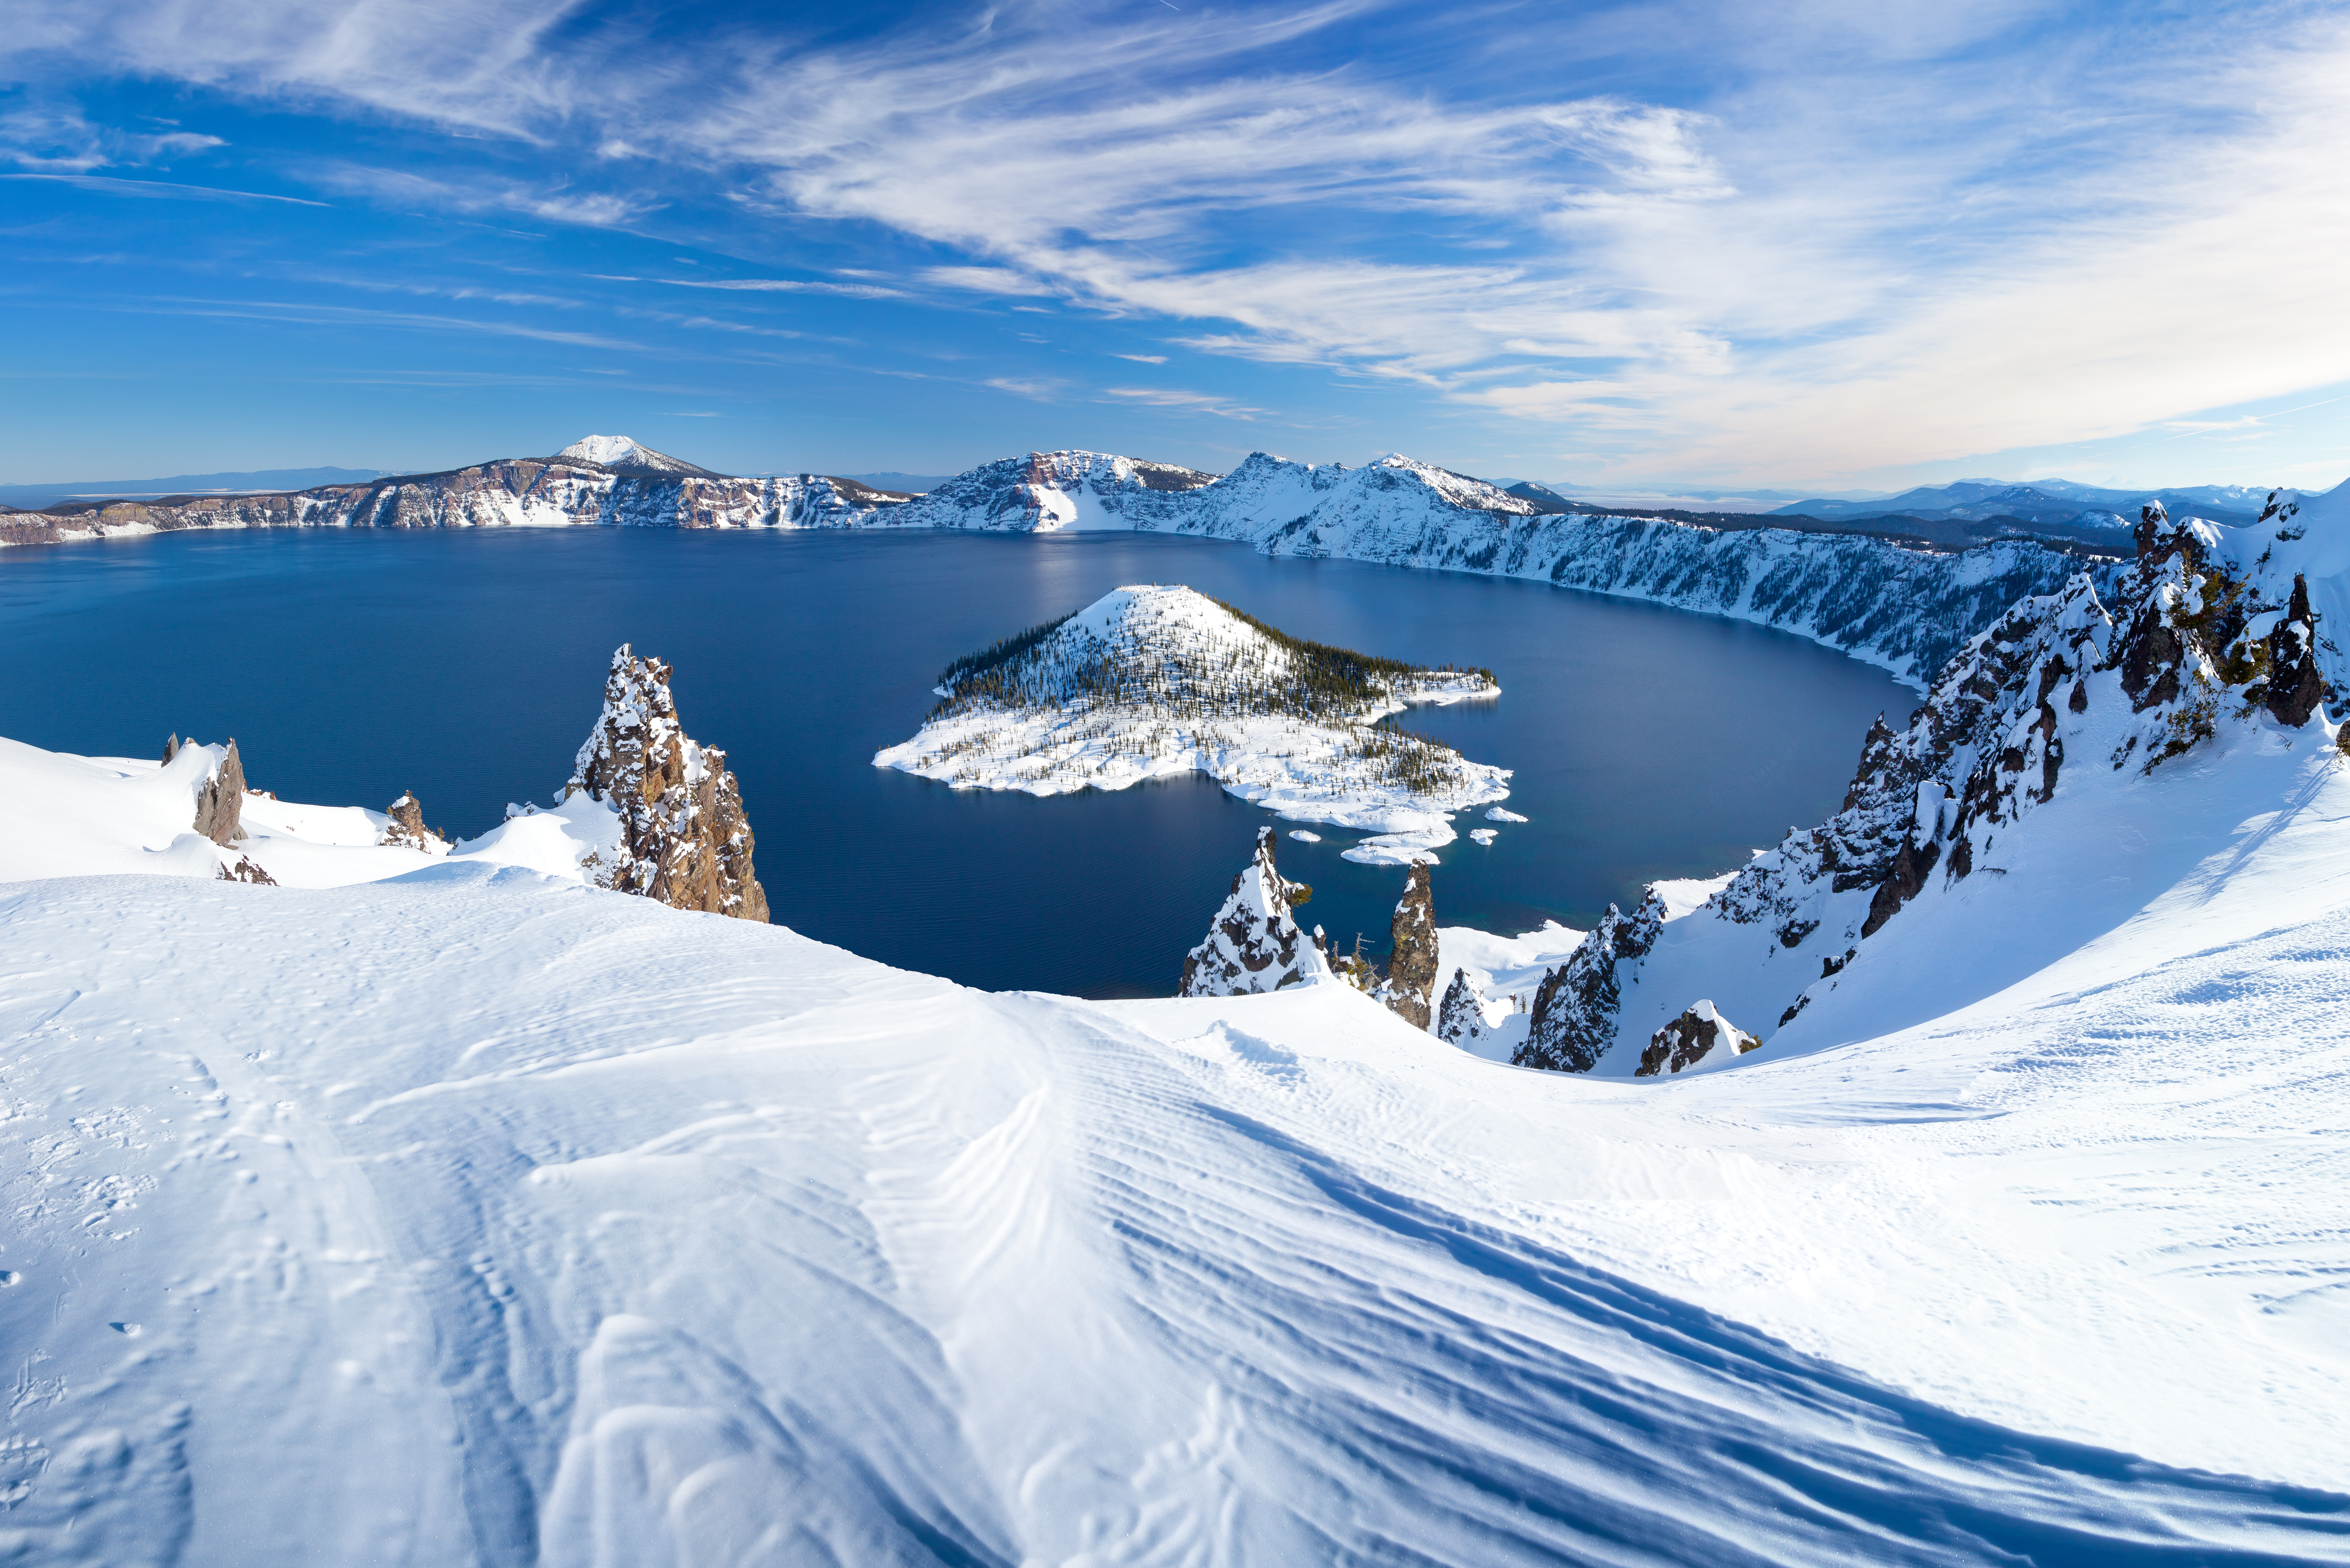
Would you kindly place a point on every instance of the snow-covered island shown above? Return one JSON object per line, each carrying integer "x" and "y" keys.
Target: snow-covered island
{"x": 1150, "y": 681}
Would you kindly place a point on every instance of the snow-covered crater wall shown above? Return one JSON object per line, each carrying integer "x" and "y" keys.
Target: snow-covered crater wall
{"x": 1909, "y": 610}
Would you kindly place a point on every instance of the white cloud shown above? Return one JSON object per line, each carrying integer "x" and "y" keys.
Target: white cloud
{"x": 1859, "y": 236}
{"x": 1190, "y": 402}
{"x": 1142, "y": 359}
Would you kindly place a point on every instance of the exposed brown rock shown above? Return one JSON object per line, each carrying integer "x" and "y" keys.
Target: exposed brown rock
{"x": 1411, "y": 966}
{"x": 407, "y": 829}
{"x": 683, "y": 836}
{"x": 246, "y": 870}
{"x": 220, "y": 800}
{"x": 1685, "y": 1040}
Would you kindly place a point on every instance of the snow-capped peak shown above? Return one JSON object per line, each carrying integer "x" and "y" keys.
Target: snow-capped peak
{"x": 625, "y": 455}
{"x": 600, "y": 448}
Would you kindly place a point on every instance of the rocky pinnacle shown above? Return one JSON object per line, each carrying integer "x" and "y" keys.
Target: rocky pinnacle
{"x": 1411, "y": 966}
{"x": 1253, "y": 943}
{"x": 684, "y": 837}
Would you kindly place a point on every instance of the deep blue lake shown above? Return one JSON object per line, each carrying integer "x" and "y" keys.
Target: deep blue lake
{"x": 468, "y": 666}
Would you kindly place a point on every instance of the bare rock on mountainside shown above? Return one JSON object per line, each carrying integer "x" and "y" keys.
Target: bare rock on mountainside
{"x": 1574, "y": 1020}
{"x": 245, "y": 869}
{"x": 1411, "y": 966}
{"x": 1254, "y": 945}
{"x": 684, "y": 837}
{"x": 2295, "y": 684}
{"x": 220, "y": 799}
{"x": 407, "y": 830}
{"x": 1690, "y": 1039}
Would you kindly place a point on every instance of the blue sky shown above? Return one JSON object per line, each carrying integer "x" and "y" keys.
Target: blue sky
{"x": 1809, "y": 246}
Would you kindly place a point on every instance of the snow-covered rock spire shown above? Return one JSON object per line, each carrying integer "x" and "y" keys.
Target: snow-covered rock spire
{"x": 1461, "y": 1019}
{"x": 683, "y": 839}
{"x": 1254, "y": 945}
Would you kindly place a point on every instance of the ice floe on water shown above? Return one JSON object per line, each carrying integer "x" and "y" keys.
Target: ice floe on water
{"x": 1484, "y": 835}
{"x": 1501, "y": 814}
{"x": 1303, "y": 836}
{"x": 1157, "y": 681}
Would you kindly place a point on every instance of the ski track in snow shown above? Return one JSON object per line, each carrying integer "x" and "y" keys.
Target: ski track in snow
{"x": 500, "y": 1218}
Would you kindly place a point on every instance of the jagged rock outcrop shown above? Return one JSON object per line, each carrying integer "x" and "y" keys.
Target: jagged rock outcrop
{"x": 1690, "y": 1039}
{"x": 684, "y": 838}
{"x": 2296, "y": 685}
{"x": 1460, "y": 1018}
{"x": 220, "y": 800}
{"x": 2190, "y": 647}
{"x": 407, "y": 830}
{"x": 244, "y": 868}
{"x": 1411, "y": 962}
{"x": 1254, "y": 944}
{"x": 1574, "y": 1020}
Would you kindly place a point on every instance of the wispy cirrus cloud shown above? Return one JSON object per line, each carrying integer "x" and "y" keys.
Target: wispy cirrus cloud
{"x": 1705, "y": 239}
{"x": 1189, "y": 402}
{"x": 766, "y": 285}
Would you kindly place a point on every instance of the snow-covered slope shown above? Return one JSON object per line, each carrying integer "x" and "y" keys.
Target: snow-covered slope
{"x": 2077, "y": 759}
{"x": 622, "y": 455}
{"x": 1152, "y": 681}
{"x": 1052, "y": 492}
{"x": 475, "y": 1216}
{"x": 2307, "y": 536}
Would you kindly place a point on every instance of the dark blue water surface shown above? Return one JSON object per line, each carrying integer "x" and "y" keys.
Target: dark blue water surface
{"x": 468, "y": 666}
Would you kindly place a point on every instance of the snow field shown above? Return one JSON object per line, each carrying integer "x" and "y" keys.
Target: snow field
{"x": 496, "y": 1217}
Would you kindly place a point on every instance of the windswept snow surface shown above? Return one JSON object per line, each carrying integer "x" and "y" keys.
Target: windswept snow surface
{"x": 99, "y": 814}
{"x": 476, "y": 1216}
{"x": 1152, "y": 681}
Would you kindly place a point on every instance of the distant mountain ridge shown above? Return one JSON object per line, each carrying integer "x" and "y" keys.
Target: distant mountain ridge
{"x": 1903, "y": 592}
{"x": 2084, "y": 507}
{"x": 32, "y": 497}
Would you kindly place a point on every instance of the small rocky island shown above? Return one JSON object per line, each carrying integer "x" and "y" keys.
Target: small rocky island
{"x": 1151, "y": 682}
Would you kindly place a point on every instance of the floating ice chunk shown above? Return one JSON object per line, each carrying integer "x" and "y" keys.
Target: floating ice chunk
{"x": 1303, "y": 836}
{"x": 1484, "y": 835}
{"x": 1400, "y": 849}
{"x": 1501, "y": 814}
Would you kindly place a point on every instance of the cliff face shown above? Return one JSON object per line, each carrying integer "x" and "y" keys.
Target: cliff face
{"x": 1906, "y": 608}
{"x": 1254, "y": 944}
{"x": 683, "y": 839}
{"x": 2067, "y": 698}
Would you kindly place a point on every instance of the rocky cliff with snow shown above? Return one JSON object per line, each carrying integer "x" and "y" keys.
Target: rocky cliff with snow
{"x": 2075, "y": 716}
{"x": 638, "y": 488}
{"x": 1907, "y": 608}
{"x": 1152, "y": 681}
{"x": 1254, "y": 944}
{"x": 682, "y": 837}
